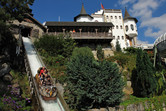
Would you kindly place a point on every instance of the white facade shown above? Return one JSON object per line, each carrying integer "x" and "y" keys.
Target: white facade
{"x": 119, "y": 31}
{"x": 115, "y": 16}
{"x": 84, "y": 19}
{"x": 131, "y": 29}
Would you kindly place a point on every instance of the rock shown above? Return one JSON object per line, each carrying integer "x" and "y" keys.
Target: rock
{"x": 140, "y": 107}
{"x": 103, "y": 109}
{"x": 8, "y": 77}
{"x": 3, "y": 86}
{"x": 131, "y": 107}
{"x": 4, "y": 69}
{"x": 111, "y": 109}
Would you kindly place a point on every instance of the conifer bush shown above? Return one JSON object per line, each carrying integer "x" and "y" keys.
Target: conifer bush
{"x": 92, "y": 84}
{"x": 118, "y": 48}
{"x": 100, "y": 52}
{"x": 143, "y": 80}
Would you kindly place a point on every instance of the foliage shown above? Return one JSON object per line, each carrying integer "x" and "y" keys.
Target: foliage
{"x": 118, "y": 48}
{"x": 85, "y": 51}
{"x": 125, "y": 60}
{"x": 56, "y": 45}
{"x": 100, "y": 52}
{"x": 143, "y": 80}
{"x": 157, "y": 102}
{"x": 99, "y": 83}
{"x": 161, "y": 82}
{"x": 12, "y": 101}
{"x": 14, "y": 9}
{"x": 131, "y": 50}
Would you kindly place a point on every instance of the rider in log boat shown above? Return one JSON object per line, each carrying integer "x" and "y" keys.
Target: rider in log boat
{"x": 45, "y": 84}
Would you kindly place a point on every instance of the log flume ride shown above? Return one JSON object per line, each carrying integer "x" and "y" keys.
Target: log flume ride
{"x": 46, "y": 86}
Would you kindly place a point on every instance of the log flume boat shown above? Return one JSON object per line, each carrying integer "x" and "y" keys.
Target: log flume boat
{"x": 46, "y": 86}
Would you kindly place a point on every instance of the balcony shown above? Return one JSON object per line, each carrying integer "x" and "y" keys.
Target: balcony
{"x": 85, "y": 35}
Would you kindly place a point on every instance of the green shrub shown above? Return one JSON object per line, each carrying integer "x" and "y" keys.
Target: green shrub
{"x": 118, "y": 48}
{"x": 131, "y": 50}
{"x": 84, "y": 51}
{"x": 100, "y": 52}
{"x": 56, "y": 45}
{"x": 99, "y": 83}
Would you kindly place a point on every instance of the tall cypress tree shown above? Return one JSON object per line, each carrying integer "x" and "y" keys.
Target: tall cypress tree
{"x": 143, "y": 80}
{"x": 118, "y": 48}
{"x": 100, "y": 52}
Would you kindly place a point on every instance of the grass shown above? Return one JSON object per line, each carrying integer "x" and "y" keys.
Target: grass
{"x": 157, "y": 102}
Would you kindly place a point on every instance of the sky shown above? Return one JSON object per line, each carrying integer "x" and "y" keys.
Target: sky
{"x": 151, "y": 14}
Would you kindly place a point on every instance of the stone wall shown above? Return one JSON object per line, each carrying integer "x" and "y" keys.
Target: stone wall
{"x": 36, "y": 31}
{"x": 132, "y": 107}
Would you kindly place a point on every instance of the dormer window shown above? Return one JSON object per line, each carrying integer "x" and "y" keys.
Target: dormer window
{"x": 132, "y": 27}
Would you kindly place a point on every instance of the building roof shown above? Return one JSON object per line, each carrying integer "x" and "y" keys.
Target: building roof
{"x": 91, "y": 24}
{"x": 82, "y": 13}
{"x": 27, "y": 15}
{"x": 83, "y": 10}
{"x": 127, "y": 16}
{"x": 112, "y": 10}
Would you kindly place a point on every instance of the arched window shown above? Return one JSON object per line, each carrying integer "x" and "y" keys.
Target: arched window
{"x": 115, "y": 17}
{"x": 119, "y": 17}
{"x": 122, "y": 38}
{"x": 111, "y": 17}
{"x": 132, "y": 27}
{"x": 118, "y": 37}
{"x": 121, "y": 26}
{"x": 126, "y": 28}
{"x": 117, "y": 27}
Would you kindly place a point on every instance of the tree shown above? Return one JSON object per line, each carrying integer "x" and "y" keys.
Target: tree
{"x": 56, "y": 45}
{"x": 143, "y": 80}
{"x": 92, "y": 84}
{"x": 100, "y": 52}
{"x": 14, "y": 9}
{"x": 118, "y": 49}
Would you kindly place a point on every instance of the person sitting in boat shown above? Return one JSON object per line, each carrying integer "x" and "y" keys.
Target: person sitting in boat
{"x": 48, "y": 81}
{"x": 45, "y": 73}
{"x": 41, "y": 71}
{"x": 54, "y": 91}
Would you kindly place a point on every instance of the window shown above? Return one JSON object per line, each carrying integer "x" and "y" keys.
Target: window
{"x": 115, "y": 17}
{"x": 118, "y": 37}
{"x": 122, "y": 38}
{"x": 126, "y": 28}
{"x": 132, "y": 27}
{"x": 119, "y": 17}
{"x": 107, "y": 17}
{"x": 111, "y": 17}
{"x": 114, "y": 37}
{"x": 121, "y": 26}
{"x": 117, "y": 27}
{"x": 112, "y": 27}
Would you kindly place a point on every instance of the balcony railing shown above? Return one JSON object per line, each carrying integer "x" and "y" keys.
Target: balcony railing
{"x": 83, "y": 34}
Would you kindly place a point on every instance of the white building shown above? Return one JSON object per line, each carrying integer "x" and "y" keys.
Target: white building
{"x": 124, "y": 30}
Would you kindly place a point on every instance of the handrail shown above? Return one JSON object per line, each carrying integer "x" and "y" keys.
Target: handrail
{"x": 33, "y": 80}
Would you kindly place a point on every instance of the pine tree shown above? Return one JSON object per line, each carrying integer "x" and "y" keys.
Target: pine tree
{"x": 118, "y": 48}
{"x": 92, "y": 84}
{"x": 100, "y": 52}
{"x": 143, "y": 80}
